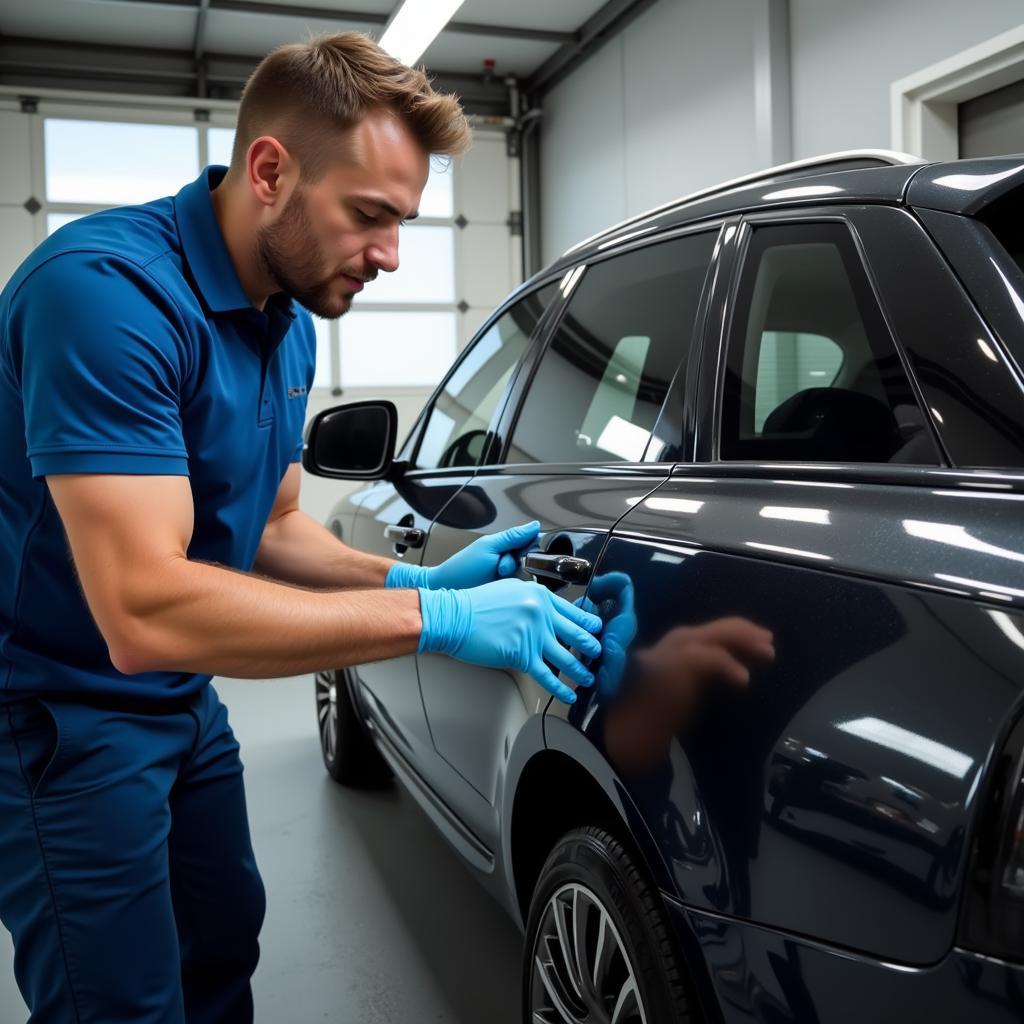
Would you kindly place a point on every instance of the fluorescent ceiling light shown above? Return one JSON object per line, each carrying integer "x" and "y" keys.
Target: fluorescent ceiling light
{"x": 921, "y": 748}
{"x": 973, "y": 182}
{"x": 416, "y": 26}
{"x": 797, "y": 515}
{"x": 952, "y": 533}
{"x": 1009, "y": 627}
{"x": 625, "y": 439}
{"x": 788, "y": 551}
{"x": 981, "y": 585}
{"x": 803, "y": 191}
{"x": 684, "y": 505}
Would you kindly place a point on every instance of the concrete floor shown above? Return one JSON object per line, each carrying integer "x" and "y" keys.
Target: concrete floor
{"x": 370, "y": 916}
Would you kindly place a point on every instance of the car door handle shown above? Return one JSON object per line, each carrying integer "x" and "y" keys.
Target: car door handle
{"x": 409, "y": 536}
{"x": 566, "y": 568}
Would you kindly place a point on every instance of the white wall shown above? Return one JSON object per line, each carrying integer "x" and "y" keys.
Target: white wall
{"x": 846, "y": 55}
{"x": 663, "y": 109}
{"x": 667, "y": 106}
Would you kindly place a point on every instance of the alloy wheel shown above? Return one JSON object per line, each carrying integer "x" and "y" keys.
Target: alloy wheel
{"x": 327, "y": 713}
{"x": 581, "y": 970}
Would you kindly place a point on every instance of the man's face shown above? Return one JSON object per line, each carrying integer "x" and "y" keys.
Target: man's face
{"x": 333, "y": 236}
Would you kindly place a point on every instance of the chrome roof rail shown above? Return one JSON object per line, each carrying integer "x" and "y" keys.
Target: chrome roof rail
{"x": 883, "y": 156}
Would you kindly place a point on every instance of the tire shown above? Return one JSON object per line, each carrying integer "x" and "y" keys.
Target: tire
{"x": 348, "y": 752}
{"x": 593, "y": 884}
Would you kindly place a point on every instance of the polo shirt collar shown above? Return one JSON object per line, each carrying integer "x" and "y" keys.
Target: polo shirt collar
{"x": 206, "y": 252}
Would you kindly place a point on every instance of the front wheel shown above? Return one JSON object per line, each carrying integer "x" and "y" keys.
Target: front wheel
{"x": 598, "y": 946}
{"x": 349, "y": 754}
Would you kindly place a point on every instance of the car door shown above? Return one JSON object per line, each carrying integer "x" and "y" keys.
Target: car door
{"x": 828, "y": 793}
{"x": 394, "y": 516}
{"x": 573, "y": 441}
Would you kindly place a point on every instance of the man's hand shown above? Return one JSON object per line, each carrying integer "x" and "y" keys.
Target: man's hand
{"x": 487, "y": 559}
{"x": 611, "y": 597}
{"x": 668, "y": 680}
{"x": 511, "y": 624}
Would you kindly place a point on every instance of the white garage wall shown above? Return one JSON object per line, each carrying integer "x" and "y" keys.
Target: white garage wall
{"x": 667, "y": 106}
{"x": 663, "y": 109}
{"x": 846, "y": 55}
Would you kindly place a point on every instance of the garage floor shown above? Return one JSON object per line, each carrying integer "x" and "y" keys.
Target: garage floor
{"x": 370, "y": 916}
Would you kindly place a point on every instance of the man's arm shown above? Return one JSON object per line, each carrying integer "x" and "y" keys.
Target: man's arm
{"x": 295, "y": 548}
{"x": 158, "y": 610}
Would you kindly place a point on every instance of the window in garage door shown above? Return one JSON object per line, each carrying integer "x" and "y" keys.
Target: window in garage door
{"x": 812, "y": 373}
{"x": 601, "y": 382}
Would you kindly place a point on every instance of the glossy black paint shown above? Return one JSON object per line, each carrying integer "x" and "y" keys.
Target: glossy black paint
{"x": 993, "y": 280}
{"x": 413, "y": 501}
{"x": 864, "y": 185}
{"x": 758, "y": 974}
{"x": 810, "y": 827}
{"x": 965, "y": 186}
{"x": 969, "y": 386}
{"x": 831, "y": 795}
{"x": 474, "y": 715}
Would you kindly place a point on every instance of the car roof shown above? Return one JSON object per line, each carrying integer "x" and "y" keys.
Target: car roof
{"x": 856, "y": 176}
{"x": 966, "y": 186}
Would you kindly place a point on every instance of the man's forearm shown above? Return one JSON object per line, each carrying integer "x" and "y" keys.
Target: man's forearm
{"x": 295, "y": 548}
{"x": 205, "y": 618}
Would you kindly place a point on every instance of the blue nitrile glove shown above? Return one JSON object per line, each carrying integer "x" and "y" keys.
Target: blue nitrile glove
{"x": 611, "y": 596}
{"x": 511, "y": 624}
{"x": 487, "y": 559}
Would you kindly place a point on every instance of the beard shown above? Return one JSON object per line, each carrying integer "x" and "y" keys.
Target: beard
{"x": 289, "y": 255}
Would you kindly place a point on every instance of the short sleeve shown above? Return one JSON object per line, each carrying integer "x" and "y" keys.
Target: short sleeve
{"x": 101, "y": 353}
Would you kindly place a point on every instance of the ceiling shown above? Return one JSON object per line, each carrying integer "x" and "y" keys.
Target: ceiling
{"x": 208, "y": 47}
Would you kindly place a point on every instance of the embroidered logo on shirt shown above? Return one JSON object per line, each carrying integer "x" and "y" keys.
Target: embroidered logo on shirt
{"x": 295, "y": 392}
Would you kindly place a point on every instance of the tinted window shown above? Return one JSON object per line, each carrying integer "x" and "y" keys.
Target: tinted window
{"x": 602, "y": 380}
{"x": 457, "y": 424}
{"x": 1005, "y": 219}
{"x": 813, "y": 374}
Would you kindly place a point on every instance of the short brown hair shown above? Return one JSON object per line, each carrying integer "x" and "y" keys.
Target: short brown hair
{"x": 306, "y": 93}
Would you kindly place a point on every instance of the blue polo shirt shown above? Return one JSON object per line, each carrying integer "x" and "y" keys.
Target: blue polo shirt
{"x": 127, "y": 345}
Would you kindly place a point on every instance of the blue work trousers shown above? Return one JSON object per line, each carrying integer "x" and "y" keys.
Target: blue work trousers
{"x": 127, "y": 876}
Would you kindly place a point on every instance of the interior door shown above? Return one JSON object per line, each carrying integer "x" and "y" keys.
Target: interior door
{"x": 395, "y": 516}
{"x": 577, "y": 436}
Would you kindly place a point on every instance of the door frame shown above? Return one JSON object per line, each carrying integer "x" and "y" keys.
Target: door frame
{"x": 549, "y": 327}
{"x": 924, "y": 105}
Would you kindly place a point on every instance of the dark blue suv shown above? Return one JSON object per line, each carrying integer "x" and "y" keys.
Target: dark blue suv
{"x": 774, "y": 434}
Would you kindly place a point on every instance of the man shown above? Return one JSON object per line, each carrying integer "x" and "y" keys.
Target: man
{"x": 150, "y": 536}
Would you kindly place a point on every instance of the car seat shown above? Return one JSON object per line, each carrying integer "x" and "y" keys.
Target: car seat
{"x": 833, "y": 425}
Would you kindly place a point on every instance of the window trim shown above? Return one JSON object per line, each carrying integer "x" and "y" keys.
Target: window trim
{"x": 531, "y": 364}
{"x": 716, "y": 381}
{"x": 410, "y": 448}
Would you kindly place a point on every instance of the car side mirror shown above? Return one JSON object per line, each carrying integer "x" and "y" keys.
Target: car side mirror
{"x": 352, "y": 442}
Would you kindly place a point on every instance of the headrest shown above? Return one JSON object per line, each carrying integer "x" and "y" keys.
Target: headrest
{"x": 836, "y": 424}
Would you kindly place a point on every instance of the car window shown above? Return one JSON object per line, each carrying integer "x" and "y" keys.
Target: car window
{"x": 788, "y": 362}
{"x": 599, "y": 386}
{"x": 812, "y": 372}
{"x": 456, "y": 426}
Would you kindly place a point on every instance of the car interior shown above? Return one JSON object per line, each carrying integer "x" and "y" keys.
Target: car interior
{"x": 841, "y": 393}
